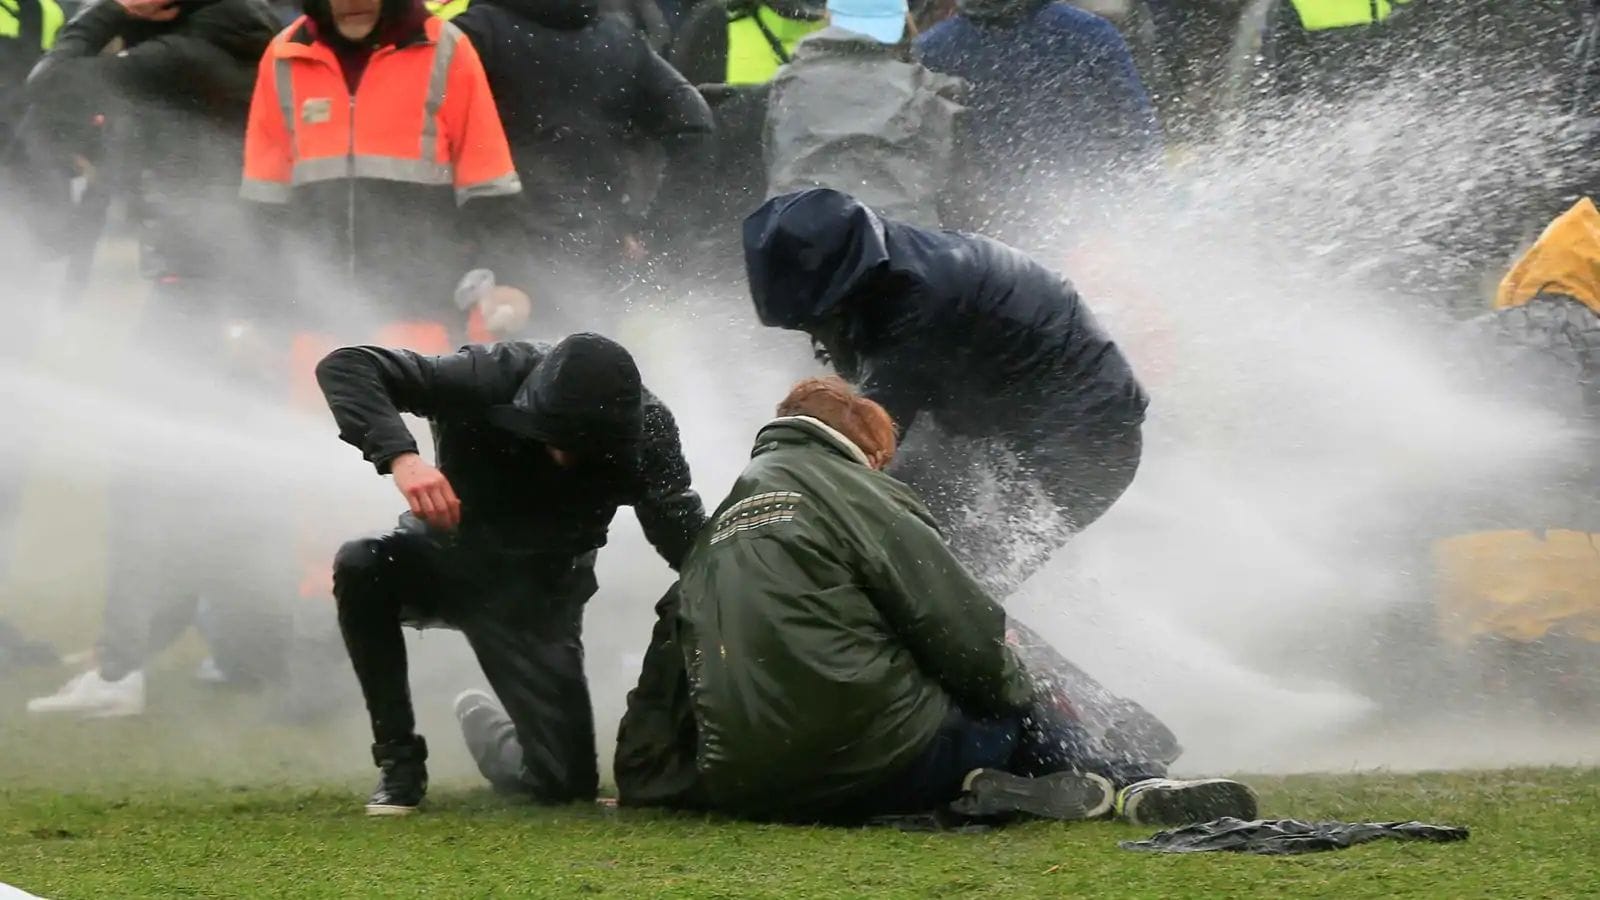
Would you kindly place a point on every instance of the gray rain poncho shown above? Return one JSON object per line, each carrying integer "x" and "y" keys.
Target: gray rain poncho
{"x": 848, "y": 113}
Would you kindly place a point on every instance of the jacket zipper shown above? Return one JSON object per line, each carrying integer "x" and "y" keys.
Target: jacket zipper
{"x": 350, "y": 181}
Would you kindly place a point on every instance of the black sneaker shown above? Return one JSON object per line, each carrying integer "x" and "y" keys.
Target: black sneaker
{"x": 1064, "y": 796}
{"x": 1158, "y": 801}
{"x": 404, "y": 779}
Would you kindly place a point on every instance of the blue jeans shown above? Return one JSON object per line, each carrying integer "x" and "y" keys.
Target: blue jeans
{"x": 1039, "y": 743}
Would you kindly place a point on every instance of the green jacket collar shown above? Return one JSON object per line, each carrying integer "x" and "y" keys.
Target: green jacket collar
{"x": 791, "y": 430}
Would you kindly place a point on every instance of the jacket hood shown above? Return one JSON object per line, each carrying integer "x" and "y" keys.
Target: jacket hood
{"x": 1564, "y": 261}
{"x": 999, "y": 10}
{"x": 395, "y": 18}
{"x": 562, "y": 14}
{"x": 806, "y": 253}
{"x": 584, "y": 396}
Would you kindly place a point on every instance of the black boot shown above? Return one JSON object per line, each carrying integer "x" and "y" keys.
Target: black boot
{"x": 404, "y": 781}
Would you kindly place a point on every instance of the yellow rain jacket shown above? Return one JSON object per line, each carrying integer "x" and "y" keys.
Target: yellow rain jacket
{"x": 1565, "y": 260}
{"x": 1520, "y": 585}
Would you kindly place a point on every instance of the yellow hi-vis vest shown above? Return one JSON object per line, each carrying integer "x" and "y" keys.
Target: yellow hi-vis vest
{"x": 444, "y": 9}
{"x": 751, "y": 57}
{"x": 1325, "y": 15}
{"x": 50, "y": 21}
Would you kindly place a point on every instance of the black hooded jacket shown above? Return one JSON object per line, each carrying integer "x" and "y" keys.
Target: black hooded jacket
{"x": 176, "y": 100}
{"x": 514, "y": 498}
{"x": 576, "y": 90}
{"x": 959, "y": 326}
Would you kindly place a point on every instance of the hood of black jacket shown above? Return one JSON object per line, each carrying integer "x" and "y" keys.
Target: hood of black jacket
{"x": 399, "y": 21}
{"x": 584, "y": 397}
{"x": 561, "y": 14}
{"x": 1000, "y": 10}
{"x": 806, "y": 253}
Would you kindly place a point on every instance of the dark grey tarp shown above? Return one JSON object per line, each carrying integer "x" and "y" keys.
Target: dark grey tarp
{"x": 846, "y": 113}
{"x": 1287, "y": 837}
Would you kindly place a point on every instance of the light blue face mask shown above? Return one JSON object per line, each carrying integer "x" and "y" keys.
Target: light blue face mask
{"x": 882, "y": 20}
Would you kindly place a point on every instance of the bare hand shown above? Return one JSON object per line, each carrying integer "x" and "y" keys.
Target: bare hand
{"x": 633, "y": 249}
{"x": 150, "y": 10}
{"x": 432, "y": 498}
{"x": 505, "y": 310}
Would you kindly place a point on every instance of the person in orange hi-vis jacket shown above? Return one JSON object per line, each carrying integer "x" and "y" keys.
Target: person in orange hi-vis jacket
{"x": 379, "y": 162}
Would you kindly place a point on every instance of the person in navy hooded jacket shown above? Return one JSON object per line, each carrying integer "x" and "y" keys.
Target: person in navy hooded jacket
{"x": 970, "y": 345}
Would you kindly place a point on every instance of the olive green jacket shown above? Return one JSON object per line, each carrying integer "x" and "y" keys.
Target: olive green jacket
{"x": 827, "y": 630}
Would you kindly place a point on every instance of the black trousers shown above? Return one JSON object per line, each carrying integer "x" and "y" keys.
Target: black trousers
{"x": 523, "y": 616}
{"x": 1007, "y": 503}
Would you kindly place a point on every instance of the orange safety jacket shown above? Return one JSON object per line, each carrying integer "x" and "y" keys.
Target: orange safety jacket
{"x": 422, "y": 114}
{"x": 381, "y": 181}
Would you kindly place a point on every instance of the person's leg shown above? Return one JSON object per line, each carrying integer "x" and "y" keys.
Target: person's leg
{"x": 960, "y": 746}
{"x": 953, "y": 476}
{"x": 1052, "y": 743}
{"x": 149, "y": 602}
{"x": 1081, "y": 473}
{"x": 963, "y": 770}
{"x": 1084, "y": 471}
{"x": 377, "y": 581}
{"x": 527, "y": 635}
{"x": 246, "y": 588}
{"x": 160, "y": 540}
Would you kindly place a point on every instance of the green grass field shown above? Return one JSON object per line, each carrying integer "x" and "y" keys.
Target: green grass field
{"x": 169, "y": 807}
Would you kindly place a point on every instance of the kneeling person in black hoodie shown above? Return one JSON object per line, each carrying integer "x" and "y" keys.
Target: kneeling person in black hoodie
{"x": 537, "y": 447}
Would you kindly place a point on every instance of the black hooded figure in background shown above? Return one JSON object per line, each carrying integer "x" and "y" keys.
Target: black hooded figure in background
{"x": 174, "y": 101}
{"x": 989, "y": 363}
{"x": 537, "y": 446}
{"x": 585, "y": 101}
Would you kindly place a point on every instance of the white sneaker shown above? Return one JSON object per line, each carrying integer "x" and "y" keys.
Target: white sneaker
{"x": 208, "y": 672}
{"x": 94, "y": 697}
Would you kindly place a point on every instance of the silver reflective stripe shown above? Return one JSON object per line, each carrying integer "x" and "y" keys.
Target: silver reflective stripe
{"x": 437, "y": 79}
{"x": 504, "y": 186}
{"x": 326, "y": 168}
{"x": 387, "y": 168}
{"x": 264, "y": 191}
{"x": 283, "y": 83}
{"x": 414, "y": 171}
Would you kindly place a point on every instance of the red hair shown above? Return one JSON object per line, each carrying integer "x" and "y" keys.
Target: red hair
{"x": 836, "y": 404}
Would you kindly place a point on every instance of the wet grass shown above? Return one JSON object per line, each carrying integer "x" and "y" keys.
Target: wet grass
{"x": 204, "y": 799}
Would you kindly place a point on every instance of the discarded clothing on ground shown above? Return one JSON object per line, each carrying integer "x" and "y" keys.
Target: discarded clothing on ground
{"x": 1288, "y": 837}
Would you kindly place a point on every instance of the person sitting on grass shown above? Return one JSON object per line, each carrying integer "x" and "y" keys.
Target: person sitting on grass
{"x": 841, "y": 664}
